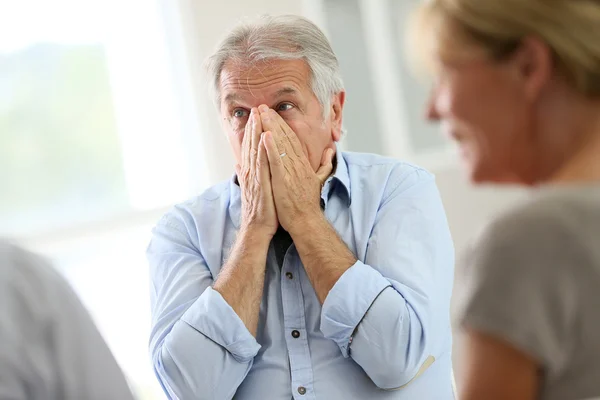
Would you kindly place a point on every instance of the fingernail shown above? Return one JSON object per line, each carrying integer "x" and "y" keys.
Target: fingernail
{"x": 263, "y": 108}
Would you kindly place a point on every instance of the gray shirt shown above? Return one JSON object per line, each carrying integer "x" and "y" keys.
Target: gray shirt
{"x": 533, "y": 279}
{"x": 49, "y": 346}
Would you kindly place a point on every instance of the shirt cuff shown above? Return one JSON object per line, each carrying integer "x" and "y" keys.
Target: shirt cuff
{"x": 348, "y": 302}
{"x": 212, "y": 316}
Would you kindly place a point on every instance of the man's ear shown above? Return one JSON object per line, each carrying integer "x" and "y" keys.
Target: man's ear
{"x": 335, "y": 114}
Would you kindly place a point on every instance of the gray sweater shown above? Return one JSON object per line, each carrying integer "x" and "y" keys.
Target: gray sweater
{"x": 49, "y": 346}
{"x": 533, "y": 279}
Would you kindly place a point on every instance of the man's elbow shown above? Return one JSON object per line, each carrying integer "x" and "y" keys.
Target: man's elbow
{"x": 168, "y": 374}
{"x": 158, "y": 365}
{"x": 395, "y": 375}
{"x": 390, "y": 378}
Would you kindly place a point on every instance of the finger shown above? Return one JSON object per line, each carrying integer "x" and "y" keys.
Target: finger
{"x": 271, "y": 124}
{"x": 267, "y": 121}
{"x": 327, "y": 156}
{"x": 255, "y": 132}
{"x": 288, "y": 139}
{"x": 275, "y": 162}
{"x": 326, "y": 166}
{"x": 246, "y": 143}
{"x": 250, "y": 125}
{"x": 264, "y": 172}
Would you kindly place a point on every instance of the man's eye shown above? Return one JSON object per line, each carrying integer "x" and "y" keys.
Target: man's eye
{"x": 239, "y": 113}
{"x": 285, "y": 107}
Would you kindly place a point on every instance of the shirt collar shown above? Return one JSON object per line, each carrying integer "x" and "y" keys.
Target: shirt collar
{"x": 340, "y": 181}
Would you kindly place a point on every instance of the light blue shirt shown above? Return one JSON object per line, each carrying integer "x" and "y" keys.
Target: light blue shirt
{"x": 382, "y": 320}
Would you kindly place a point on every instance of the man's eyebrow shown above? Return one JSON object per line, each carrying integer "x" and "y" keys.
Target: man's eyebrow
{"x": 235, "y": 97}
{"x": 285, "y": 91}
{"x": 232, "y": 97}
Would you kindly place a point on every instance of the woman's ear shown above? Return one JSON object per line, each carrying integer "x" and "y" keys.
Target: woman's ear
{"x": 534, "y": 66}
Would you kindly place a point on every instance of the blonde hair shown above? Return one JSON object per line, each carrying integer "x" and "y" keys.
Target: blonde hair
{"x": 570, "y": 28}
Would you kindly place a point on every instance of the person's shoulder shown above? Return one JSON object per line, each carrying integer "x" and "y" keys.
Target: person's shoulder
{"x": 18, "y": 261}
{"x": 545, "y": 215}
{"x": 214, "y": 193}
{"x": 198, "y": 210}
{"x": 538, "y": 234}
{"x": 212, "y": 197}
{"x": 379, "y": 171}
{"x": 370, "y": 160}
{"x": 27, "y": 275}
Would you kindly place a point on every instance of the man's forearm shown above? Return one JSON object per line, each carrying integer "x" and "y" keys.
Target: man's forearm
{"x": 324, "y": 255}
{"x": 242, "y": 278}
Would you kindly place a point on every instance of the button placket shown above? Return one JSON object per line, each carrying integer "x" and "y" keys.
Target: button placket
{"x": 295, "y": 327}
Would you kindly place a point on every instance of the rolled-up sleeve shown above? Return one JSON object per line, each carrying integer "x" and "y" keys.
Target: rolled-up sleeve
{"x": 212, "y": 316}
{"x": 348, "y": 302}
{"x": 390, "y": 313}
{"x": 200, "y": 348}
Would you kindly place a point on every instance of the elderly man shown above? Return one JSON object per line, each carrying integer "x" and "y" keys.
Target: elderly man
{"x": 313, "y": 273}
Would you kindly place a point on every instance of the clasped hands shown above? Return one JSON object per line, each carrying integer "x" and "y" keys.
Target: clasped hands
{"x": 278, "y": 184}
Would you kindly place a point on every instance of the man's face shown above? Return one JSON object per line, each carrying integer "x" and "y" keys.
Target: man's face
{"x": 284, "y": 86}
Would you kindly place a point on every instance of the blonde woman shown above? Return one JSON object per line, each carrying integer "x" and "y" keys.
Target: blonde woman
{"x": 518, "y": 88}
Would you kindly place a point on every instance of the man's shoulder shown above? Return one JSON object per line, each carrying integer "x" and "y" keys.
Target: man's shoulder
{"x": 381, "y": 170}
{"x": 211, "y": 202}
{"x": 370, "y": 160}
{"x": 353, "y": 158}
{"x": 213, "y": 193}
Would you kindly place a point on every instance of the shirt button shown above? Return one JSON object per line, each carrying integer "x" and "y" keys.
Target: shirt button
{"x": 302, "y": 390}
{"x": 296, "y": 335}
{"x": 289, "y": 275}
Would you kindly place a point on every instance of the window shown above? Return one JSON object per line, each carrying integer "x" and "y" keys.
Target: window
{"x": 60, "y": 156}
{"x": 385, "y": 98}
{"x": 94, "y": 146}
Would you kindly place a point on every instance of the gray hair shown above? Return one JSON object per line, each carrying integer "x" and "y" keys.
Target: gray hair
{"x": 284, "y": 37}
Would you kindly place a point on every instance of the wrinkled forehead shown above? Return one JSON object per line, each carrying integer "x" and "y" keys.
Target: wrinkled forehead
{"x": 264, "y": 81}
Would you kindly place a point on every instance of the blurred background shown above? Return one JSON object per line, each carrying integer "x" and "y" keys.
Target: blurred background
{"x": 105, "y": 122}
